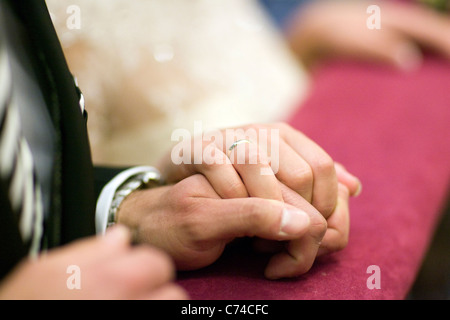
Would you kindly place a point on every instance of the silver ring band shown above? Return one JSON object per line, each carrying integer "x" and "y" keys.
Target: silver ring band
{"x": 236, "y": 143}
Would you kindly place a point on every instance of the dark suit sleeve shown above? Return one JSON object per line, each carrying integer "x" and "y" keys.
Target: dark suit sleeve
{"x": 73, "y": 204}
{"x": 103, "y": 175}
{"x": 11, "y": 245}
{"x": 72, "y": 212}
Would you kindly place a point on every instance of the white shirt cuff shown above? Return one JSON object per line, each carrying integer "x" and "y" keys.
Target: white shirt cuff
{"x": 106, "y": 196}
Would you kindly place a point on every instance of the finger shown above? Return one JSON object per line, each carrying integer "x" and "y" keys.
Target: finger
{"x": 299, "y": 254}
{"x": 295, "y": 172}
{"x": 250, "y": 217}
{"x": 432, "y": 31}
{"x": 336, "y": 236}
{"x": 392, "y": 48}
{"x": 352, "y": 183}
{"x": 389, "y": 45}
{"x": 399, "y": 41}
{"x": 209, "y": 161}
{"x": 221, "y": 174}
{"x": 256, "y": 173}
{"x": 140, "y": 270}
{"x": 322, "y": 166}
{"x": 295, "y": 260}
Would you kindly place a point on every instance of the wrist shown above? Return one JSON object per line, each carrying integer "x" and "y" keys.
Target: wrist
{"x": 119, "y": 188}
{"x": 139, "y": 181}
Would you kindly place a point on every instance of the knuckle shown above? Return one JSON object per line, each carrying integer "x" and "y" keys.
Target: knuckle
{"x": 252, "y": 218}
{"x": 302, "y": 268}
{"x": 324, "y": 165}
{"x": 248, "y": 214}
{"x": 193, "y": 185}
{"x": 319, "y": 226}
{"x": 339, "y": 242}
{"x": 180, "y": 199}
{"x": 235, "y": 189}
{"x": 190, "y": 228}
{"x": 327, "y": 208}
{"x": 301, "y": 178}
{"x": 231, "y": 185}
{"x": 186, "y": 220}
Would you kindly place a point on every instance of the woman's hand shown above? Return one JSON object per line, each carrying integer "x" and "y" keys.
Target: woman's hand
{"x": 329, "y": 29}
{"x": 264, "y": 156}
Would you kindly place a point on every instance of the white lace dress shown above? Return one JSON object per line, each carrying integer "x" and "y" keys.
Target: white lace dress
{"x": 148, "y": 67}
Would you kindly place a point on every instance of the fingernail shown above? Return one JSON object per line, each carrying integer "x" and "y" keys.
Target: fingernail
{"x": 359, "y": 190}
{"x": 349, "y": 180}
{"x": 294, "y": 221}
{"x": 117, "y": 234}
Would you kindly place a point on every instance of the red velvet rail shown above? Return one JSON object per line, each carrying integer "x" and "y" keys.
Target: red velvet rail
{"x": 391, "y": 129}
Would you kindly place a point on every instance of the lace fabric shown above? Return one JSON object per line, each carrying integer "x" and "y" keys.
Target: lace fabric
{"x": 149, "y": 67}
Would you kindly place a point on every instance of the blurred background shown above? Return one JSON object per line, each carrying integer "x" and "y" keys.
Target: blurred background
{"x": 149, "y": 67}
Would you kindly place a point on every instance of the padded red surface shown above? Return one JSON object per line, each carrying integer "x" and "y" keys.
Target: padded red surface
{"x": 393, "y": 131}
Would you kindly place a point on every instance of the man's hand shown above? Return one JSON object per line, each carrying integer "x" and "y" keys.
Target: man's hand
{"x": 196, "y": 218}
{"x": 110, "y": 268}
{"x": 192, "y": 223}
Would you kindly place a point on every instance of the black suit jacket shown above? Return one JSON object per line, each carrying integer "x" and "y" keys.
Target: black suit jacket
{"x": 74, "y": 192}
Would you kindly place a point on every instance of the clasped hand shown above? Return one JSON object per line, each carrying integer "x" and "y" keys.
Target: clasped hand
{"x": 300, "y": 211}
